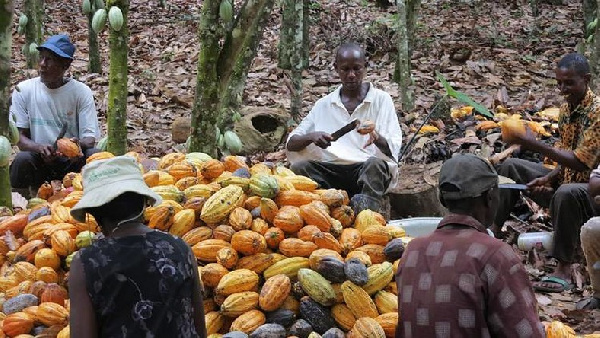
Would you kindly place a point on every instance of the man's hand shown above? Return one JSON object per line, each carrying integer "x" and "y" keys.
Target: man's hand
{"x": 525, "y": 139}
{"x": 541, "y": 186}
{"x": 320, "y": 139}
{"x": 47, "y": 152}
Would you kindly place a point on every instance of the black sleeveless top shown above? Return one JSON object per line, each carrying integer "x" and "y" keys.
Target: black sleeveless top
{"x": 141, "y": 286}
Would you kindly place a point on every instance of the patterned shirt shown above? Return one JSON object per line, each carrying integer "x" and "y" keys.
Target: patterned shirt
{"x": 579, "y": 130}
{"x": 141, "y": 286}
{"x": 461, "y": 282}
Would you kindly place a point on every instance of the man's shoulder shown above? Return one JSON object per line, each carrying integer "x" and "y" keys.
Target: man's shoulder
{"x": 79, "y": 85}
{"x": 28, "y": 84}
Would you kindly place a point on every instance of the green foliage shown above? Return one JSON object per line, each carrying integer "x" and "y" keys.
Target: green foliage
{"x": 463, "y": 98}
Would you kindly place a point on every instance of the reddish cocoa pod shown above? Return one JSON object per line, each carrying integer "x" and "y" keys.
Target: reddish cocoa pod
{"x": 68, "y": 148}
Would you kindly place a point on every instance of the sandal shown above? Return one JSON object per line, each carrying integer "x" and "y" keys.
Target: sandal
{"x": 563, "y": 285}
{"x": 589, "y": 303}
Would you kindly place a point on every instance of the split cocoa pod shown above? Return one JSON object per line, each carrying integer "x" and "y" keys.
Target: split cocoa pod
{"x": 68, "y": 148}
{"x": 366, "y": 127}
{"x": 512, "y": 128}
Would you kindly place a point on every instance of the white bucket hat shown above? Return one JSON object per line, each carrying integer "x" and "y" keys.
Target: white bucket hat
{"x": 104, "y": 180}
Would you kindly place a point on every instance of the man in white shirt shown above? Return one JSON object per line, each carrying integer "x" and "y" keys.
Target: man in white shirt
{"x": 364, "y": 165}
{"x": 44, "y": 106}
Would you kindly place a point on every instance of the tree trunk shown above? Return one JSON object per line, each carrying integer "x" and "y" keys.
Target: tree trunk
{"x": 94, "y": 65}
{"x": 403, "y": 59}
{"x": 205, "y": 111}
{"x": 33, "y": 31}
{"x": 535, "y": 10}
{"x": 6, "y": 12}
{"x": 293, "y": 49}
{"x": 117, "y": 83}
{"x": 412, "y": 14}
{"x": 595, "y": 58}
{"x": 222, "y": 71}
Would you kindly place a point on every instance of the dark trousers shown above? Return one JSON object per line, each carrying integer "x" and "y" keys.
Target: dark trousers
{"x": 570, "y": 205}
{"x": 370, "y": 178}
{"x": 28, "y": 169}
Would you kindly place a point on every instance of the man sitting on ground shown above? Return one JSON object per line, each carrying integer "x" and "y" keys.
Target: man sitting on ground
{"x": 590, "y": 242}
{"x": 43, "y": 107}
{"x": 363, "y": 165}
{"x": 563, "y": 189}
{"x": 459, "y": 281}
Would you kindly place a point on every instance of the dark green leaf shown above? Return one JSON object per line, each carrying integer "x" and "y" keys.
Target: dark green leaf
{"x": 464, "y": 98}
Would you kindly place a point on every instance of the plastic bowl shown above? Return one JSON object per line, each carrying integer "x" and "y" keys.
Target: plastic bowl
{"x": 417, "y": 226}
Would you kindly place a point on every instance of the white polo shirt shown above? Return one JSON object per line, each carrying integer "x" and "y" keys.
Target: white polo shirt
{"x": 44, "y": 111}
{"x": 329, "y": 115}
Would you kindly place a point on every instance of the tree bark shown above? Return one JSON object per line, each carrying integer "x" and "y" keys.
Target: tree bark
{"x": 293, "y": 49}
{"x": 222, "y": 71}
{"x": 412, "y": 14}
{"x": 117, "y": 83}
{"x": 205, "y": 112}
{"x": 403, "y": 60}
{"x": 535, "y": 10}
{"x": 94, "y": 65}
{"x": 6, "y": 12}
{"x": 594, "y": 59}
{"x": 33, "y": 31}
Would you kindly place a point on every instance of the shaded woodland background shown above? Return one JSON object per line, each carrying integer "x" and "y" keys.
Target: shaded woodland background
{"x": 495, "y": 51}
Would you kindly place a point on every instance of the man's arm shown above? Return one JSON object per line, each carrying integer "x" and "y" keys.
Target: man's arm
{"x": 299, "y": 142}
{"x": 565, "y": 158}
{"x": 87, "y": 143}
{"x": 26, "y": 144}
{"x": 88, "y": 120}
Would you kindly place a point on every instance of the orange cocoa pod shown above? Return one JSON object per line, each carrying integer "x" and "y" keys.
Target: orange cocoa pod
{"x": 45, "y": 191}
{"x": 68, "y": 148}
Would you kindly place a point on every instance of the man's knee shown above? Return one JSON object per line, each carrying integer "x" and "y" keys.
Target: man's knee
{"x": 90, "y": 151}
{"x": 570, "y": 190}
{"x": 21, "y": 169}
{"x": 376, "y": 162}
{"x": 591, "y": 230}
{"x": 300, "y": 168}
{"x": 509, "y": 166}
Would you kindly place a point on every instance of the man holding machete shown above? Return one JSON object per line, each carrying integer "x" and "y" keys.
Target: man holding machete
{"x": 564, "y": 190}
{"x": 325, "y": 148}
{"x": 46, "y": 108}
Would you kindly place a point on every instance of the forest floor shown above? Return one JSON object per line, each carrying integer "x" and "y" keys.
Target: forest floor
{"x": 511, "y": 61}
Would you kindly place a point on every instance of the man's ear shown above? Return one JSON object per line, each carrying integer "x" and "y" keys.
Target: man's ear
{"x": 587, "y": 77}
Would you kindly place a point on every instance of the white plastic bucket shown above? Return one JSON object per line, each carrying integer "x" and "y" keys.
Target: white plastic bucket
{"x": 420, "y": 226}
{"x": 417, "y": 226}
{"x": 538, "y": 240}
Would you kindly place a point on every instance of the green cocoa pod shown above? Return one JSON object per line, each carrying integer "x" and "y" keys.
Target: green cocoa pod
{"x": 99, "y": 4}
{"x": 232, "y": 142}
{"x": 86, "y": 7}
{"x": 221, "y": 141}
{"x": 5, "y": 151}
{"x": 115, "y": 18}
{"x": 99, "y": 20}
{"x": 23, "y": 20}
{"x": 226, "y": 11}
{"x": 13, "y": 133}
{"x": 84, "y": 238}
{"x": 103, "y": 143}
{"x": 33, "y": 48}
{"x": 25, "y": 50}
{"x": 20, "y": 29}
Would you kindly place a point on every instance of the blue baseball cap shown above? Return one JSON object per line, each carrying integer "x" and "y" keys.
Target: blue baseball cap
{"x": 59, "y": 45}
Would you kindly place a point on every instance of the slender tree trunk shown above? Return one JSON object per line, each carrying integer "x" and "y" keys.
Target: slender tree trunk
{"x": 222, "y": 72}
{"x": 117, "y": 83}
{"x": 535, "y": 10}
{"x": 292, "y": 50}
{"x": 403, "y": 61}
{"x": 94, "y": 65}
{"x": 33, "y": 31}
{"x": 205, "y": 111}
{"x": 306, "y": 32}
{"x": 6, "y": 12}
{"x": 595, "y": 57}
{"x": 412, "y": 15}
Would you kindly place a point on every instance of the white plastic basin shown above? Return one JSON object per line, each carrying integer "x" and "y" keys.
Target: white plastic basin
{"x": 417, "y": 226}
